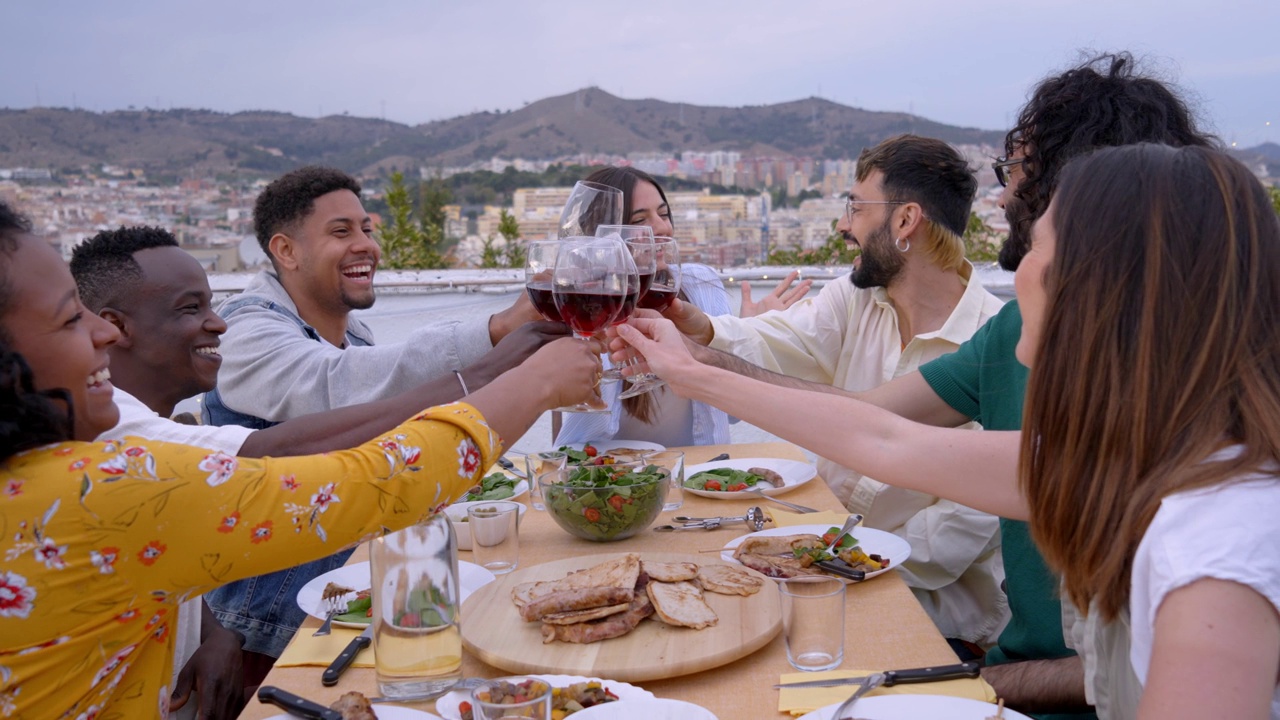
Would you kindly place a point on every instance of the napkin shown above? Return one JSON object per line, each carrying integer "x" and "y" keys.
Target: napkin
{"x": 800, "y": 701}
{"x": 320, "y": 651}
{"x": 782, "y": 518}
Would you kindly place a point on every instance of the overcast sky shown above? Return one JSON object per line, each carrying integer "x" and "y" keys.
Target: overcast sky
{"x": 966, "y": 62}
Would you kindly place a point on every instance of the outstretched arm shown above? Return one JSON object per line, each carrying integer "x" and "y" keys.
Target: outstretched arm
{"x": 974, "y": 469}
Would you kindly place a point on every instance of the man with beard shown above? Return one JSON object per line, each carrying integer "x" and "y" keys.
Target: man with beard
{"x": 1102, "y": 102}
{"x": 293, "y": 349}
{"x": 910, "y": 298}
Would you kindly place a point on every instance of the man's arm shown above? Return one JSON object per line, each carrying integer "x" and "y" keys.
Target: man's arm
{"x": 350, "y": 426}
{"x": 1040, "y": 686}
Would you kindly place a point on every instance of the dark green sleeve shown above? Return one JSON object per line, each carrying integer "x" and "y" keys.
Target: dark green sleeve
{"x": 956, "y": 377}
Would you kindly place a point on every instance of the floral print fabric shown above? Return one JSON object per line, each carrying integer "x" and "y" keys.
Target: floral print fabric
{"x": 100, "y": 543}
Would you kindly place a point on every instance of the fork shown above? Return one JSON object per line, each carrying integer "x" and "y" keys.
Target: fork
{"x": 333, "y": 606}
{"x": 770, "y": 498}
{"x": 868, "y": 683}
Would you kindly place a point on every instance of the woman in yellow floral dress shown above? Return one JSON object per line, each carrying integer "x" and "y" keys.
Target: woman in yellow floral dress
{"x": 100, "y": 542}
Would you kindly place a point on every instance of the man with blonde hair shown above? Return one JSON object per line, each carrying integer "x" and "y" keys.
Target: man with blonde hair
{"x": 910, "y": 298}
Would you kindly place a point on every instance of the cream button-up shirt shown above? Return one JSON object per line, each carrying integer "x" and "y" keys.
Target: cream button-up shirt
{"x": 848, "y": 337}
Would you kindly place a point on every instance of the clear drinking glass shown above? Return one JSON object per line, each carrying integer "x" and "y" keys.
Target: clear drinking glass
{"x": 590, "y": 205}
{"x": 813, "y": 622}
{"x": 662, "y": 290}
{"x": 590, "y": 286}
{"x": 539, "y": 265}
{"x": 672, "y": 463}
{"x": 535, "y": 464}
{"x": 496, "y": 699}
{"x": 417, "y": 640}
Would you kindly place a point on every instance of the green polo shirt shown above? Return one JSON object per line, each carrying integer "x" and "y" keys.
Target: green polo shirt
{"x": 983, "y": 380}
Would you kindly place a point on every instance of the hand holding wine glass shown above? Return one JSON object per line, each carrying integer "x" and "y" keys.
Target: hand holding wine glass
{"x": 590, "y": 285}
{"x": 663, "y": 288}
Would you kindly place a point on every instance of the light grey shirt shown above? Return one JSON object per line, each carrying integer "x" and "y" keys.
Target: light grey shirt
{"x": 271, "y": 368}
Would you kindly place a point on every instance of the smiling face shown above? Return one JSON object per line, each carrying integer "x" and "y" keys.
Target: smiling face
{"x": 64, "y": 343}
{"x": 870, "y": 227}
{"x": 648, "y": 208}
{"x": 1028, "y": 283}
{"x": 171, "y": 343}
{"x": 335, "y": 255}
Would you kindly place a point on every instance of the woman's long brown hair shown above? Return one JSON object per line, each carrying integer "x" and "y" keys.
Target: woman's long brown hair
{"x": 1160, "y": 346}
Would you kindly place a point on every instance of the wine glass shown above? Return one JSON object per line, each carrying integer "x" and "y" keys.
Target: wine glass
{"x": 639, "y": 243}
{"x": 590, "y": 205}
{"x": 663, "y": 289}
{"x": 539, "y": 265}
{"x": 591, "y": 283}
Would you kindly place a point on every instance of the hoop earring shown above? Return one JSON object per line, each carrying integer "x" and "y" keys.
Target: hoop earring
{"x": 901, "y": 248}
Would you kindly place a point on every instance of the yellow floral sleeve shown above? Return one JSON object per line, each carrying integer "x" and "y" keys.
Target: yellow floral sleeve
{"x": 102, "y": 541}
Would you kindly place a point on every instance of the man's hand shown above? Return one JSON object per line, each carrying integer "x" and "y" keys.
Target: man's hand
{"x": 514, "y": 349}
{"x": 691, "y": 321}
{"x": 507, "y": 321}
{"x": 213, "y": 672}
{"x": 570, "y": 368}
{"x": 782, "y": 297}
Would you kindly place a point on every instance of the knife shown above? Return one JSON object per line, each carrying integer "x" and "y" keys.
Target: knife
{"x": 843, "y": 569}
{"x": 343, "y": 661}
{"x": 295, "y": 705}
{"x": 890, "y": 678}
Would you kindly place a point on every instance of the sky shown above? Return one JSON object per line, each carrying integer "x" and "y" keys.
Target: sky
{"x": 969, "y": 63}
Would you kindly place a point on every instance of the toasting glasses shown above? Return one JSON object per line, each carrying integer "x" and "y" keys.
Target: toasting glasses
{"x": 662, "y": 290}
{"x": 638, "y": 240}
{"x": 593, "y": 281}
{"x": 590, "y": 205}
{"x": 539, "y": 265}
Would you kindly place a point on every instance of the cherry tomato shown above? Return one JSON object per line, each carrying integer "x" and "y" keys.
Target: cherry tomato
{"x": 464, "y": 707}
{"x": 592, "y": 514}
{"x": 410, "y": 620}
{"x": 590, "y": 450}
{"x": 738, "y": 488}
{"x": 712, "y": 485}
{"x": 615, "y": 502}
{"x": 368, "y": 612}
{"x": 827, "y": 538}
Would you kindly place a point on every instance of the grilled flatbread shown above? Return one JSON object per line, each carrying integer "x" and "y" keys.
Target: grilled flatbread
{"x": 777, "y": 545}
{"x": 727, "y": 580}
{"x": 670, "y": 572}
{"x": 580, "y": 616}
{"x": 617, "y": 573}
{"x": 681, "y": 604}
{"x": 597, "y": 630}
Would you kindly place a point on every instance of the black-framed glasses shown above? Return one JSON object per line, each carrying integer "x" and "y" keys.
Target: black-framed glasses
{"x": 850, "y": 204}
{"x": 1002, "y": 165}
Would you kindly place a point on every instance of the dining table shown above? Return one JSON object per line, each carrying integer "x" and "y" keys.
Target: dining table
{"x": 885, "y": 627}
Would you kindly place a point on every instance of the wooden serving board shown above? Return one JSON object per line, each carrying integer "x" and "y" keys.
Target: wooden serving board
{"x": 493, "y": 631}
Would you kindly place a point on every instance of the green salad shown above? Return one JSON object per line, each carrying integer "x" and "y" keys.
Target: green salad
{"x": 359, "y": 611}
{"x": 725, "y": 479}
{"x": 495, "y": 486}
{"x": 600, "y": 502}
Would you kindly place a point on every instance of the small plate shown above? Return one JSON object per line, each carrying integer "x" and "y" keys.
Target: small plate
{"x": 656, "y": 709}
{"x": 872, "y": 542}
{"x": 606, "y": 446}
{"x": 918, "y": 707}
{"x": 384, "y": 712}
{"x": 356, "y": 575}
{"x": 448, "y": 704}
{"x": 794, "y": 474}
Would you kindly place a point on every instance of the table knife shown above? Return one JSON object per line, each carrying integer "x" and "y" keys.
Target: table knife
{"x": 343, "y": 661}
{"x": 937, "y": 673}
{"x": 843, "y": 569}
{"x": 294, "y": 705}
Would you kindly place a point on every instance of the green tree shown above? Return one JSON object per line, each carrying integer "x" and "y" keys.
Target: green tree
{"x": 1275, "y": 198}
{"x": 835, "y": 251}
{"x": 401, "y": 237}
{"x": 490, "y": 255}
{"x": 981, "y": 241}
{"x": 514, "y": 253}
{"x": 434, "y": 195}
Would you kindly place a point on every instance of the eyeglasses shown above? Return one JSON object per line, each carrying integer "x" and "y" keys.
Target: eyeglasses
{"x": 1002, "y": 165}
{"x": 850, "y": 205}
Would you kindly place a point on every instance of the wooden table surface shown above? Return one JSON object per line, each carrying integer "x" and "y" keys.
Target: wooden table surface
{"x": 885, "y": 627}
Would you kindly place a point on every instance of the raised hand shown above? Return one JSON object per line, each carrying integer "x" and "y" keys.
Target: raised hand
{"x": 782, "y": 297}
{"x": 514, "y": 349}
{"x": 663, "y": 348}
{"x": 570, "y": 367}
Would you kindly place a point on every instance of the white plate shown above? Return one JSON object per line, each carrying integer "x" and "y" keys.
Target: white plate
{"x": 356, "y": 575}
{"x": 794, "y": 474}
{"x": 607, "y": 445}
{"x": 872, "y": 542}
{"x": 384, "y": 712}
{"x": 656, "y": 709}
{"x": 448, "y": 705}
{"x": 520, "y": 488}
{"x": 918, "y": 707}
{"x": 462, "y": 530}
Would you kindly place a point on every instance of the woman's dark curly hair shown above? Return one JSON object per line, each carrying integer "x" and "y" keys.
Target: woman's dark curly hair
{"x": 28, "y": 417}
{"x": 1103, "y": 102}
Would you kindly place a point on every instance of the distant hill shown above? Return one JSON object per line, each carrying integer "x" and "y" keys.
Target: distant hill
{"x": 590, "y": 121}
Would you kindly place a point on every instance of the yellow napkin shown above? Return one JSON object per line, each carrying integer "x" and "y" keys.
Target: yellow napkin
{"x": 800, "y": 701}
{"x": 782, "y": 518}
{"x": 308, "y": 650}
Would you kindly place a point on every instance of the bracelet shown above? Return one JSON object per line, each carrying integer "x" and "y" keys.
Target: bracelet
{"x": 463, "y": 383}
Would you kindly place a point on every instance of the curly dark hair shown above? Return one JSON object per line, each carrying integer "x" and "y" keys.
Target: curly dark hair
{"x": 103, "y": 265}
{"x": 290, "y": 198}
{"x": 28, "y": 418}
{"x": 1102, "y": 102}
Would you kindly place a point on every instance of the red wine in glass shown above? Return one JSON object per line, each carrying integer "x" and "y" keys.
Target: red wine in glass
{"x": 646, "y": 279}
{"x": 658, "y": 298}
{"x": 544, "y": 301}
{"x": 588, "y": 312}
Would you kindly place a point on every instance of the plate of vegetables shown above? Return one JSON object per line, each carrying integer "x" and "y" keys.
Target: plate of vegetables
{"x": 497, "y": 486}
{"x": 621, "y": 450}
{"x": 736, "y": 479}
{"x": 355, "y": 579}
{"x": 606, "y": 502}
{"x": 570, "y": 694}
{"x": 864, "y": 544}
